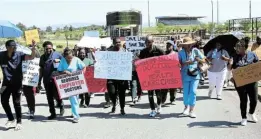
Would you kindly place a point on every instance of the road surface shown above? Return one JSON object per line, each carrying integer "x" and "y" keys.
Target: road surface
{"x": 215, "y": 120}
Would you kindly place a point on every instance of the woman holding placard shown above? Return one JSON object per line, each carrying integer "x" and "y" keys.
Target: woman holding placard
{"x": 241, "y": 59}
{"x": 70, "y": 64}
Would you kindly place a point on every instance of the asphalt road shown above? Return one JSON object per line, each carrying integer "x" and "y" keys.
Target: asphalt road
{"x": 215, "y": 120}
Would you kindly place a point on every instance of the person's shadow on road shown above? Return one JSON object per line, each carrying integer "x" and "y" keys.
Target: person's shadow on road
{"x": 214, "y": 124}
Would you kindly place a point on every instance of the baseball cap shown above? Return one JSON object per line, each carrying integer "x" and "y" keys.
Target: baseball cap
{"x": 171, "y": 42}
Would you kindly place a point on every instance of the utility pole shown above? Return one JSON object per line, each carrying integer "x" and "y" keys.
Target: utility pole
{"x": 149, "y": 13}
{"x": 250, "y": 9}
{"x": 212, "y": 32}
{"x": 217, "y": 12}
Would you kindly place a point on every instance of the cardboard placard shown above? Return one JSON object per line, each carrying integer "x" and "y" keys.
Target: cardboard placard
{"x": 160, "y": 41}
{"x": 31, "y": 35}
{"x": 71, "y": 85}
{"x": 248, "y": 74}
{"x": 30, "y": 70}
{"x": 161, "y": 72}
{"x": 113, "y": 65}
{"x": 94, "y": 85}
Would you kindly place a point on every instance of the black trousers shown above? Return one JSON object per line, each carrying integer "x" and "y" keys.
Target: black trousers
{"x": 85, "y": 99}
{"x": 13, "y": 89}
{"x": 117, "y": 87}
{"x": 172, "y": 94}
{"x": 30, "y": 97}
{"x": 160, "y": 96}
{"x": 51, "y": 92}
{"x": 107, "y": 97}
{"x": 251, "y": 91}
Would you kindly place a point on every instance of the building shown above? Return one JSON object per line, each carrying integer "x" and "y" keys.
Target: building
{"x": 179, "y": 20}
{"x": 124, "y": 23}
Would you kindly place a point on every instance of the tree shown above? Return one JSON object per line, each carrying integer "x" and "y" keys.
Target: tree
{"x": 21, "y": 26}
{"x": 49, "y": 29}
{"x": 70, "y": 28}
{"x": 246, "y": 25}
{"x": 160, "y": 27}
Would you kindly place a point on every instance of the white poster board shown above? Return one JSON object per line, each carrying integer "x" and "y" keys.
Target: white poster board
{"x": 30, "y": 70}
{"x": 71, "y": 85}
{"x": 135, "y": 43}
{"x": 113, "y": 65}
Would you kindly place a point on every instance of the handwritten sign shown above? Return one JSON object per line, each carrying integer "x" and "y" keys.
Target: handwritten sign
{"x": 248, "y": 74}
{"x": 30, "y": 70}
{"x": 135, "y": 43}
{"x": 113, "y": 65}
{"x": 161, "y": 72}
{"x": 31, "y": 35}
{"x": 71, "y": 85}
{"x": 94, "y": 85}
{"x": 161, "y": 41}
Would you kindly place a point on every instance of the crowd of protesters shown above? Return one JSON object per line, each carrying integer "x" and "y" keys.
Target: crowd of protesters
{"x": 53, "y": 63}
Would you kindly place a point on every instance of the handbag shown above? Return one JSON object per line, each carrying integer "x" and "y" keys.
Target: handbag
{"x": 203, "y": 67}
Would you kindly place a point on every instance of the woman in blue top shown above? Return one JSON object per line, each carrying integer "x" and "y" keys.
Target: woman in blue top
{"x": 70, "y": 64}
{"x": 189, "y": 58}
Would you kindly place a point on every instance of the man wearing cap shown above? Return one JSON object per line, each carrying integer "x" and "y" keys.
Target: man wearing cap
{"x": 172, "y": 91}
{"x": 152, "y": 51}
{"x": 11, "y": 64}
{"x": 49, "y": 63}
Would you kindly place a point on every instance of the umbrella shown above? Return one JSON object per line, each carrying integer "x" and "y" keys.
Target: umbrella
{"x": 9, "y": 30}
{"x": 227, "y": 41}
{"x": 20, "y": 48}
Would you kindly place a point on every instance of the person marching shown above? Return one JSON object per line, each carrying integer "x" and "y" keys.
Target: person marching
{"x": 189, "y": 58}
{"x": 69, "y": 64}
{"x": 219, "y": 59}
{"x": 85, "y": 98}
{"x": 11, "y": 64}
{"x": 106, "y": 95}
{"x": 49, "y": 62}
{"x": 152, "y": 51}
{"x": 29, "y": 91}
{"x": 117, "y": 87}
{"x": 173, "y": 91}
{"x": 241, "y": 59}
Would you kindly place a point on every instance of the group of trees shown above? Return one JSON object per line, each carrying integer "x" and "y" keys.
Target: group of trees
{"x": 67, "y": 32}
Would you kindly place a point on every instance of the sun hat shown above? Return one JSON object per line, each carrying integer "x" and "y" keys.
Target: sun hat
{"x": 187, "y": 40}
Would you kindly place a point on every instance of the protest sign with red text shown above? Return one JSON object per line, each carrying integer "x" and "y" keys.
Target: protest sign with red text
{"x": 71, "y": 85}
{"x": 94, "y": 85}
{"x": 161, "y": 72}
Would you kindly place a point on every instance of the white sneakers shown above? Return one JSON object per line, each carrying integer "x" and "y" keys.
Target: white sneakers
{"x": 186, "y": 111}
{"x": 9, "y": 124}
{"x": 252, "y": 118}
{"x": 219, "y": 97}
{"x": 192, "y": 115}
{"x": 244, "y": 122}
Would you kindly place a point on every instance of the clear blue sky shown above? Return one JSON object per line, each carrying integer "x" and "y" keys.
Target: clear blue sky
{"x": 50, "y": 12}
